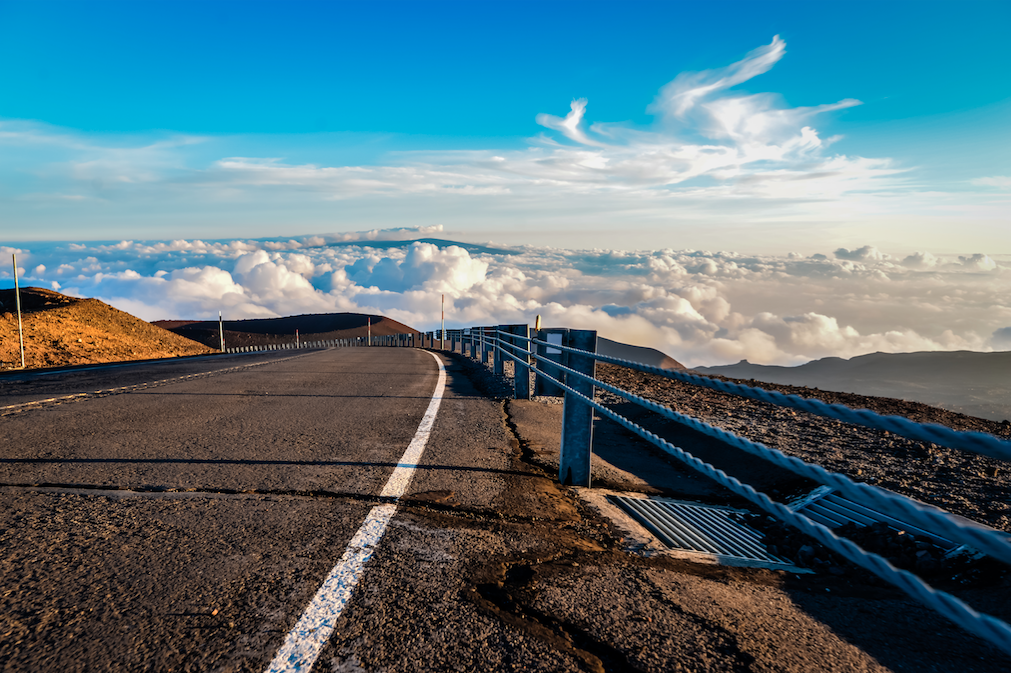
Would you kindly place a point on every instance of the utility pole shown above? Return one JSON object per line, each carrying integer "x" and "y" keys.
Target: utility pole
{"x": 221, "y": 331}
{"x": 442, "y": 342}
{"x": 297, "y": 344}
{"x": 17, "y": 300}
{"x": 369, "y": 342}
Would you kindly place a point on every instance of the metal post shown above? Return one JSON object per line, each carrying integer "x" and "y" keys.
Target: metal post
{"x": 442, "y": 344}
{"x": 297, "y": 344}
{"x": 221, "y": 331}
{"x": 577, "y": 416}
{"x": 499, "y": 345}
{"x": 17, "y": 301}
{"x": 521, "y": 369}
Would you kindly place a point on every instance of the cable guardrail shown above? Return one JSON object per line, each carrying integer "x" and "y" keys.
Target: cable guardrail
{"x": 977, "y": 442}
{"x": 577, "y": 381}
{"x": 963, "y": 531}
{"x": 983, "y": 625}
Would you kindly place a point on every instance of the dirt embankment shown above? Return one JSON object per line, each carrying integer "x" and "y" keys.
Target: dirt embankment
{"x": 61, "y": 330}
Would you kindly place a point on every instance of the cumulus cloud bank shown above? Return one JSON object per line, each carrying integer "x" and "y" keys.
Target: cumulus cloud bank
{"x": 701, "y": 307}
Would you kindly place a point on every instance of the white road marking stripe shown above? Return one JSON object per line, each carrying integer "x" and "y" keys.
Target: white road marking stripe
{"x": 303, "y": 643}
{"x": 401, "y": 477}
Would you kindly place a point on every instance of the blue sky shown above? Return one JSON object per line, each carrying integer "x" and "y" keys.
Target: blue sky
{"x": 772, "y": 180}
{"x": 131, "y": 107}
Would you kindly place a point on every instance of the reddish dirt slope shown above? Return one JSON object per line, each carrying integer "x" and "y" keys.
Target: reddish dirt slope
{"x": 61, "y": 330}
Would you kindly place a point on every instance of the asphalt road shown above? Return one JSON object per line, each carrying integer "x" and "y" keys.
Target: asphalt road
{"x": 182, "y": 516}
{"x": 182, "y": 525}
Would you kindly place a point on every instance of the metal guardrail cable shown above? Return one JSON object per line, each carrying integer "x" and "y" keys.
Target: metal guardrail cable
{"x": 514, "y": 336}
{"x": 994, "y": 542}
{"x": 989, "y": 628}
{"x": 977, "y": 442}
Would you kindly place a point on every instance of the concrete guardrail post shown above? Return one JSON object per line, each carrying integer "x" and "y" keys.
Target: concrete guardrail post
{"x": 577, "y": 416}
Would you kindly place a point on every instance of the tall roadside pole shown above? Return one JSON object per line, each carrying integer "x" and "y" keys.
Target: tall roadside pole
{"x": 442, "y": 342}
{"x": 221, "y": 331}
{"x": 369, "y": 342}
{"x": 17, "y": 300}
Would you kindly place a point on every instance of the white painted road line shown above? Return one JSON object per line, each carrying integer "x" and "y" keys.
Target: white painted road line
{"x": 303, "y": 643}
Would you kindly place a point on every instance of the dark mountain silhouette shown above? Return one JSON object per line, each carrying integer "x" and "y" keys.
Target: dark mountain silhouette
{"x": 648, "y": 356}
{"x": 978, "y": 384}
{"x": 262, "y": 331}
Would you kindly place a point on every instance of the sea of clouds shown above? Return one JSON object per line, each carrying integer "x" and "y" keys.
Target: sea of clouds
{"x": 702, "y": 308}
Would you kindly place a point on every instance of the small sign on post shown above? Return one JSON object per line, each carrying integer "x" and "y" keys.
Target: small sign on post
{"x": 542, "y": 386}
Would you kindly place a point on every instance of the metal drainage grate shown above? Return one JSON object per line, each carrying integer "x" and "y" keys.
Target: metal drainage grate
{"x": 832, "y": 510}
{"x": 699, "y": 528}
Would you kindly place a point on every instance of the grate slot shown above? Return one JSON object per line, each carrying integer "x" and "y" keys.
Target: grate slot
{"x": 834, "y": 510}
{"x": 726, "y": 533}
{"x": 698, "y": 528}
{"x": 674, "y": 532}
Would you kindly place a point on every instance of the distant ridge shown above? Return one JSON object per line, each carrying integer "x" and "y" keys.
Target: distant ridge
{"x": 263, "y": 331}
{"x": 978, "y": 384}
{"x": 647, "y": 356}
{"x": 472, "y": 248}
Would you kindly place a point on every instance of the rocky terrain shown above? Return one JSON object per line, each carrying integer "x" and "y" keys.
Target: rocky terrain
{"x": 968, "y": 484}
{"x": 60, "y": 330}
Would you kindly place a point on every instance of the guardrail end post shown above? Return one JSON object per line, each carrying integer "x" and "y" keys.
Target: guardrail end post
{"x": 577, "y": 415}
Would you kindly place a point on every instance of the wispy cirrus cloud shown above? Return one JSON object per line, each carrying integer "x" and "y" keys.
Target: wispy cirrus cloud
{"x": 998, "y": 181}
{"x": 713, "y": 156}
{"x": 715, "y": 162}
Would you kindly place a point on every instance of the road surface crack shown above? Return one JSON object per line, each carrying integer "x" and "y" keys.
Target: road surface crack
{"x": 506, "y": 595}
